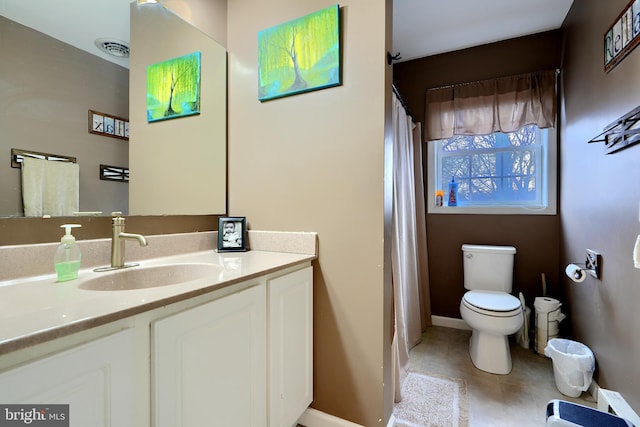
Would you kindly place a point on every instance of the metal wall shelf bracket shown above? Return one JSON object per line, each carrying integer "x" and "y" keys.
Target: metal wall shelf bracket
{"x": 622, "y": 133}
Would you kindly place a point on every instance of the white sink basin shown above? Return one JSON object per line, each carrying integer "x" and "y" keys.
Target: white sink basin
{"x": 150, "y": 277}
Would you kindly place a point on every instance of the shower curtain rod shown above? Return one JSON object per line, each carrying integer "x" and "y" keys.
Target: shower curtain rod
{"x": 404, "y": 104}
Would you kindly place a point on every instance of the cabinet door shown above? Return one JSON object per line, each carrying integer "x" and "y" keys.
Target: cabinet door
{"x": 209, "y": 366}
{"x": 94, "y": 379}
{"x": 290, "y": 347}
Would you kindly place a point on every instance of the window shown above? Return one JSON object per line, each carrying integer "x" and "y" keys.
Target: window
{"x": 496, "y": 137}
{"x": 499, "y": 173}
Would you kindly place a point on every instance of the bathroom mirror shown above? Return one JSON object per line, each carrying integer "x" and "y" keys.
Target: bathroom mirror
{"x": 48, "y": 88}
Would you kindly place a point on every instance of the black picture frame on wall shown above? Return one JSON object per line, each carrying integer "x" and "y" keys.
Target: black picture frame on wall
{"x": 232, "y": 234}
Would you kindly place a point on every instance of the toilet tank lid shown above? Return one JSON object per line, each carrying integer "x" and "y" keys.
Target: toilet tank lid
{"x": 489, "y": 249}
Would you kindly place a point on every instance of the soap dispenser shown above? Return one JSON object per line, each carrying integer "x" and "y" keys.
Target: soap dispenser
{"x": 66, "y": 260}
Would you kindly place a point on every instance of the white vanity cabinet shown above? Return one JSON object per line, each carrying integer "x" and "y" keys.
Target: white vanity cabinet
{"x": 239, "y": 354}
{"x": 208, "y": 363}
{"x": 290, "y": 346}
{"x": 242, "y": 360}
{"x": 96, "y": 379}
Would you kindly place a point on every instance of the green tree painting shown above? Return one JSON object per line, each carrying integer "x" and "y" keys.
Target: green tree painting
{"x": 173, "y": 88}
{"x": 300, "y": 55}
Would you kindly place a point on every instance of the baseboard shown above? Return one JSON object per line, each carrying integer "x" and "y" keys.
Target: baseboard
{"x": 449, "y": 322}
{"x": 392, "y": 421}
{"x": 315, "y": 418}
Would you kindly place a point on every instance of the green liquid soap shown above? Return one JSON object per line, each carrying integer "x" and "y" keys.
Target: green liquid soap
{"x": 66, "y": 260}
{"x": 67, "y": 270}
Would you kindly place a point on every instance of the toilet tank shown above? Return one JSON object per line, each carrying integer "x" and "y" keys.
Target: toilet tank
{"x": 488, "y": 268}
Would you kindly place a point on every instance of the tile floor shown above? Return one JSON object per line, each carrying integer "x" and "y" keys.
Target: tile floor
{"x": 517, "y": 399}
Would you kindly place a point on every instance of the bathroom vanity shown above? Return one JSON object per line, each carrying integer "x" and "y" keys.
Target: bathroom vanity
{"x": 233, "y": 347}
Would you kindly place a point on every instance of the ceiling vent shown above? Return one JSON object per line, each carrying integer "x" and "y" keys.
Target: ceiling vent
{"x": 113, "y": 47}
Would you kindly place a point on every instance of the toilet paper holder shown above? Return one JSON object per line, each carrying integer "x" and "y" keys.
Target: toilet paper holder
{"x": 592, "y": 263}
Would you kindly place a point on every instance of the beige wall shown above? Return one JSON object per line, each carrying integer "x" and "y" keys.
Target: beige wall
{"x": 46, "y": 91}
{"x": 209, "y": 16}
{"x": 315, "y": 162}
{"x": 178, "y": 166}
{"x": 600, "y": 197}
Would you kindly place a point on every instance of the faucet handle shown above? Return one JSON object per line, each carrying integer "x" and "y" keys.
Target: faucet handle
{"x": 116, "y": 218}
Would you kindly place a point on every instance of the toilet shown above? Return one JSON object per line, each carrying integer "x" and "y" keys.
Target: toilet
{"x": 488, "y": 306}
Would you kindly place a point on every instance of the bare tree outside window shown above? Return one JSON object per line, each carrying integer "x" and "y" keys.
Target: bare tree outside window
{"x": 496, "y": 168}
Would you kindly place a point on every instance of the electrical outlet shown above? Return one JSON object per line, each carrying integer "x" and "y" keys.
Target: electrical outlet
{"x": 593, "y": 263}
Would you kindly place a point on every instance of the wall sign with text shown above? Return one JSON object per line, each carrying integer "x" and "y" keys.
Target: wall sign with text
{"x": 108, "y": 125}
{"x": 623, "y": 36}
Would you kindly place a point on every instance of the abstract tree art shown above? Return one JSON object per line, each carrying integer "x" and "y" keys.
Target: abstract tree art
{"x": 173, "y": 88}
{"x": 300, "y": 55}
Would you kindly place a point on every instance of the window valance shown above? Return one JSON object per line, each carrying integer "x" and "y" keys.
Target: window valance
{"x": 503, "y": 104}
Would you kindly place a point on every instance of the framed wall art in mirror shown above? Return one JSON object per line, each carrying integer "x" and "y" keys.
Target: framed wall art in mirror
{"x": 173, "y": 88}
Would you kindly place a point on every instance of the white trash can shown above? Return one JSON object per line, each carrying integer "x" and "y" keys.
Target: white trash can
{"x": 573, "y": 365}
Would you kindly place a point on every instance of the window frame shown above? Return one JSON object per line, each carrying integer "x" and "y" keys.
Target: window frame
{"x": 549, "y": 183}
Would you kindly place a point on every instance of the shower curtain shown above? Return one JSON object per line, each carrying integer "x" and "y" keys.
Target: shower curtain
{"x": 408, "y": 243}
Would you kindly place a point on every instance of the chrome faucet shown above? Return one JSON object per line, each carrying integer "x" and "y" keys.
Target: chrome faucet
{"x": 118, "y": 237}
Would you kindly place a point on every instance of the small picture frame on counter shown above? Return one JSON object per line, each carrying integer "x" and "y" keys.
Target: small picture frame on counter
{"x": 232, "y": 234}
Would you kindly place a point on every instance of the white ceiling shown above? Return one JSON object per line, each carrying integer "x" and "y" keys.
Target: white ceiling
{"x": 75, "y": 22}
{"x": 428, "y": 27}
{"x": 421, "y": 27}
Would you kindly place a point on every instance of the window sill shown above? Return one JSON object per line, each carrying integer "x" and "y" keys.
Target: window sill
{"x": 493, "y": 210}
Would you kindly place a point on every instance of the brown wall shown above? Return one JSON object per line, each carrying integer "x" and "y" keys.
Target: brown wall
{"x": 315, "y": 162}
{"x": 515, "y": 56}
{"x": 536, "y": 237}
{"x": 599, "y": 197}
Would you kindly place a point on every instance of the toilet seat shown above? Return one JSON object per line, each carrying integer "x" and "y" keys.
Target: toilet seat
{"x": 492, "y": 303}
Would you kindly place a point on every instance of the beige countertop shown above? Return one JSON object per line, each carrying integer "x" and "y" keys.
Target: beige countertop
{"x": 38, "y": 309}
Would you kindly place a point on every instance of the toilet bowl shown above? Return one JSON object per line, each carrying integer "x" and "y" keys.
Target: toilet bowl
{"x": 488, "y": 307}
{"x": 493, "y": 316}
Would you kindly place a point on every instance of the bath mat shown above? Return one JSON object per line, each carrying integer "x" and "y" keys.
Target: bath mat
{"x": 430, "y": 400}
